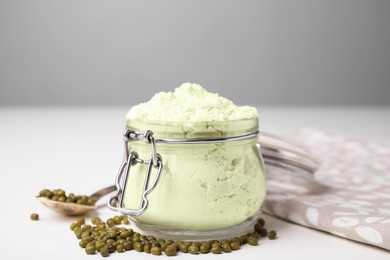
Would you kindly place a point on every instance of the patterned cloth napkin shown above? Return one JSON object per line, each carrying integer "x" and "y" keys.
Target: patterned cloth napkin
{"x": 354, "y": 201}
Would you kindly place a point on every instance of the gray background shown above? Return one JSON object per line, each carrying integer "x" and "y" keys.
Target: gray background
{"x": 95, "y": 52}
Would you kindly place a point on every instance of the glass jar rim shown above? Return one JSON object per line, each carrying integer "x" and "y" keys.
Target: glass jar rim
{"x": 195, "y": 130}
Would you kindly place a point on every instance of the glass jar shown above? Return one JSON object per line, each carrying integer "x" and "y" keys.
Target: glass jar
{"x": 208, "y": 180}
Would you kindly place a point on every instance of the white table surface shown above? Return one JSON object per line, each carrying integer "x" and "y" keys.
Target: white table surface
{"x": 80, "y": 149}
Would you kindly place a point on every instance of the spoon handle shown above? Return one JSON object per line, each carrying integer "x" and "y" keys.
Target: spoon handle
{"x": 103, "y": 192}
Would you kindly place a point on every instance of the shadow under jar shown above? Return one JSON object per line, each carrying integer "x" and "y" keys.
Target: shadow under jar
{"x": 191, "y": 180}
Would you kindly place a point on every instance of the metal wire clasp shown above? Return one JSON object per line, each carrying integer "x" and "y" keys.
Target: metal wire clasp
{"x": 115, "y": 202}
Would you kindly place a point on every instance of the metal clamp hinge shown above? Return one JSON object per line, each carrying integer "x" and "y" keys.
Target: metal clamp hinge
{"x": 115, "y": 202}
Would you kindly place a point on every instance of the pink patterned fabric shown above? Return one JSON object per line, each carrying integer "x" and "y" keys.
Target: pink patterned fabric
{"x": 354, "y": 201}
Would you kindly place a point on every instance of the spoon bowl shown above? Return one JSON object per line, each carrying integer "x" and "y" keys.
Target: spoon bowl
{"x": 73, "y": 209}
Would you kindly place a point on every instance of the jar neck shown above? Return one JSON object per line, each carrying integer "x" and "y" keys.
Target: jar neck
{"x": 196, "y": 130}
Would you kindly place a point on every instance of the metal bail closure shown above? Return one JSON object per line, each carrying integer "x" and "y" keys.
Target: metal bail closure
{"x": 115, "y": 202}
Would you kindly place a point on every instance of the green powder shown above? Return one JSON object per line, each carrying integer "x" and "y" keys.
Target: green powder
{"x": 203, "y": 186}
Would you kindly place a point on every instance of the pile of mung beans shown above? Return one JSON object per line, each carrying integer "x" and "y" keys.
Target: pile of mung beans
{"x": 107, "y": 237}
{"x": 60, "y": 195}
